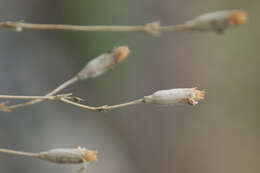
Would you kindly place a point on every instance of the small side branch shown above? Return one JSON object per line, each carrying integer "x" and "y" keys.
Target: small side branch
{"x": 103, "y": 108}
{"x": 47, "y": 96}
{"x": 94, "y": 68}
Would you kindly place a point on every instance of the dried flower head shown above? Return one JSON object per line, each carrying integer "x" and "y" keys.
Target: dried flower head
{"x": 103, "y": 63}
{"x": 176, "y": 96}
{"x": 217, "y": 21}
{"x": 195, "y": 96}
{"x": 120, "y": 53}
{"x": 237, "y": 17}
{"x": 89, "y": 155}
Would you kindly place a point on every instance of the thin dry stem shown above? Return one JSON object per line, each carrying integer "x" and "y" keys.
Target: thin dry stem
{"x": 55, "y": 91}
{"x": 151, "y": 28}
{"x": 68, "y": 99}
{"x": 57, "y": 97}
{"x": 63, "y": 86}
{"x": 21, "y": 153}
{"x": 102, "y": 108}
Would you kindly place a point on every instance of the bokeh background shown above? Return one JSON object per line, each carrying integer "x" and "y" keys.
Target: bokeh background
{"x": 220, "y": 135}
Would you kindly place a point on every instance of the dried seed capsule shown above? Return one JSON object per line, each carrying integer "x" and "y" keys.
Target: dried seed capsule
{"x": 217, "y": 21}
{"x": 103, "y": 63}
{"x": 69, "y": 156}
{"x": 175, "y": 96}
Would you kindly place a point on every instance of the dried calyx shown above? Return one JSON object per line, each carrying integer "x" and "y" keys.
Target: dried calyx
{"x": 103, "y": 63}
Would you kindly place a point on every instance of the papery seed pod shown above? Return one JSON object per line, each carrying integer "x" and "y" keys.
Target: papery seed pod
{"x": 69, "y": 156}
{"x": 175, "y": 96}
{"x": 217, "y": 21}
{"x": 103, "y": 63}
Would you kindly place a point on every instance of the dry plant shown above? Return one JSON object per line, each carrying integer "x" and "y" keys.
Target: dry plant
{"x": 216, "y": 22}
{"x": 61, "y": 156}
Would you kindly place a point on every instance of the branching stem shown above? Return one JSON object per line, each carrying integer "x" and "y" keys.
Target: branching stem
{"x": 55, "y": 91}
{"x": 68, "y": 99}
{"x": 102, "y": 108}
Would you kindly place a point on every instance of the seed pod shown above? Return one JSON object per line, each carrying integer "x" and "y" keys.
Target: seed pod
{"x": 175, "y": 96}
{"x": 217, "y": 21}
{"x": 103, "y": 63}
{"x": 69, "y": 156}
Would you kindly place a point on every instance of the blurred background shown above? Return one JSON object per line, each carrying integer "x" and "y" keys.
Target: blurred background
{"x": 221, "y": 134}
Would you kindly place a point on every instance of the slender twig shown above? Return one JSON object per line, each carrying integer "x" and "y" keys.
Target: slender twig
{"x": 5, "y": 108}
{"x": 34, "y": 97}
{"x": 64, "y": 85}
{"x": 21, "y": 153}
{"x": 105, "y": 107}
{"x": 55, "y": 91}
{"x": 67, "y": 98}
{"x": 151, "y": 28}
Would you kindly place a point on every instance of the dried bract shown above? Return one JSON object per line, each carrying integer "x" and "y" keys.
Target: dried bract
{"x": 4, "y": 107}
{"x": 175, "y": 96}
{"x": 103, "y": 63}
{"x": 217, "y": 21}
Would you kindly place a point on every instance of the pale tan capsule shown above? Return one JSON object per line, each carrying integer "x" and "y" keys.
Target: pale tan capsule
{"x": 217, "y": 21}
{"x": 69, "y": 155}
{"x": 103, "y": 63}
{"x": 175, "y": 96}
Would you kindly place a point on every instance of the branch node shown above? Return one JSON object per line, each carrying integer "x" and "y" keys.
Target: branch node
{"x": 153, "y": 28}
{"x": 14, "y": 25}
{"x": 103, "y": 108}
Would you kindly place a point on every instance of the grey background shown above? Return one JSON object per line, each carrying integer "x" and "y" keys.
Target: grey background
{"x": 219, "y": 135}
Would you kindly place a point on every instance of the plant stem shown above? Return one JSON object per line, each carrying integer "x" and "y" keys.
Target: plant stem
{"x": 55, "y": 91}
{"x": 21, "y": 153}
{"x": 148, "y": 28}
{"x": 103, "y": 108}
